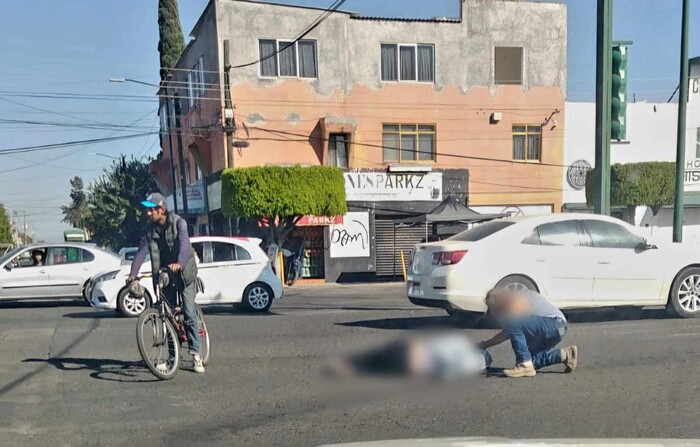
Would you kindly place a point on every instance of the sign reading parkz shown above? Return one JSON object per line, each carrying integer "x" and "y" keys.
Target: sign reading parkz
{"x": 383, "y": 186}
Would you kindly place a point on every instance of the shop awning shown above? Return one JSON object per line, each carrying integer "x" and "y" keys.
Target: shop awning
{"x": 450, "y": 211}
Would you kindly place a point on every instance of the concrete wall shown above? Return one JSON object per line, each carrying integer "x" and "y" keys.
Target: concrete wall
{"x": 651, "y": 132}
{"x": 349, "y": 96}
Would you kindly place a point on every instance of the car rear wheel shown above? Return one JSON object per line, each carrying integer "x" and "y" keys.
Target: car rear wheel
{"x": 132, "y": 307}
{"x": 685, "y": 294}
{"x": 517, "y": 283}
{"x": 257, "y": 297}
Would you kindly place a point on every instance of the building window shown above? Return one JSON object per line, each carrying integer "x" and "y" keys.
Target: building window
{"x": 527, "y": 142}
{"x": 190, "y": 89}
{"x": 200, "y": 76}
{"x": 188, "y": 177}
{"x": 508, "y": 65}
{"x": 163, "y": 118}
{"x": 408, "y": 142}
{"x": 288, "y": 59}
{"x": 338, "y": 150}
{"x": 408, "y": 62}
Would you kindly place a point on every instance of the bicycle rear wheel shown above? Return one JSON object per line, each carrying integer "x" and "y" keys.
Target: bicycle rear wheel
{"x": 158, "y": 344}
{"x": 204, "y": 348}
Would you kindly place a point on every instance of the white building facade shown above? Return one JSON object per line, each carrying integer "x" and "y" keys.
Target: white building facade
{"x": 651, "y": 136}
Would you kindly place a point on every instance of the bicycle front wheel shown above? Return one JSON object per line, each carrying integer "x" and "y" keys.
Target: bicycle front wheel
{"x": 158, "y": 344}
{"x": 204, "y": 348}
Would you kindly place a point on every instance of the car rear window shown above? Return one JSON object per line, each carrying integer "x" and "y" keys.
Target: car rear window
{"x": 481, "y": 232}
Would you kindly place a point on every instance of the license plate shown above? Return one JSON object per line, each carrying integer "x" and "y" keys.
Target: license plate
{"x": 416, "y": 289}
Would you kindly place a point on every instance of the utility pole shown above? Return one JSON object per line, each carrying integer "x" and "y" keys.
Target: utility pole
{"x": 603, "y": 107}
{"x": 229, "y": 121}
{"x": 170, "y": 141}
{"x": 680, "y": 138}
{"x": 181, "y": 157}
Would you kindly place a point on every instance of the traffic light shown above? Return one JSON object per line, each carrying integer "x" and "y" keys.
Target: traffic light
{"x": 618, "y": 118}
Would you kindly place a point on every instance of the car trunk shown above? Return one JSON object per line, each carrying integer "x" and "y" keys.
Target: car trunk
{"x": 423, "y": 255}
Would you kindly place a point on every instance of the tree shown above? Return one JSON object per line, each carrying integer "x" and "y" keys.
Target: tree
{"x": 76, "y": 213}
{"x": 171, "y": 42}
{"x": 638, "y": 184}
{"x": 5, "y": 227}
{"x": 279, "y": 196}
{"x": 116, "y": 218}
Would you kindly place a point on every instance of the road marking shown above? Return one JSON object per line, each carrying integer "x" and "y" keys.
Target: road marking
{"x": 688, "y": 334}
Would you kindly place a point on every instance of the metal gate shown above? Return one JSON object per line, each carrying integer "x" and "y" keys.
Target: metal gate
{"x": 388, "y": 249}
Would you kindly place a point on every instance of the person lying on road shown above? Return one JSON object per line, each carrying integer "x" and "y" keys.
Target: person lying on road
{"x": 534, "y": 327}
{"x": 438, "y": 356}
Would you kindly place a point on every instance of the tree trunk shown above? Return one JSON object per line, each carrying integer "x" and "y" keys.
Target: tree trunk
{"x": 631, "y": 211}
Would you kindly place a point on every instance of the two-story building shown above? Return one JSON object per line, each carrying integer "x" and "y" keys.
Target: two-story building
{"x": 471, "y": 106}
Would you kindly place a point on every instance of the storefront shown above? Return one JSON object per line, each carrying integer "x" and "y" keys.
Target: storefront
{"x": 368, "y": 245}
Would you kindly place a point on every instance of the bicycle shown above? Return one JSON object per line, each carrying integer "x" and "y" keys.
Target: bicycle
{"x": 161, "y": 330}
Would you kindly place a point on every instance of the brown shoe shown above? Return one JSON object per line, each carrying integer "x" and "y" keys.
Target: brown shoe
{"x": 521, "y": 370}
{"x": 570, "y": 358}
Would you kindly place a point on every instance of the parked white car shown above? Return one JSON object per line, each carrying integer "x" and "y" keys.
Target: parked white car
{"x": 233, "y": 270}
{"x": 575, "y": 260}
{"x": 65, "y": 271}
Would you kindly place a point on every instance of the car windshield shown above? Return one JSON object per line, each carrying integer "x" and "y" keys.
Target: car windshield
{"x": 482, "y": 231}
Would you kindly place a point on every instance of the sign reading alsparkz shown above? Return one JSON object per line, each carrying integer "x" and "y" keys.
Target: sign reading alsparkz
{"x": 384, "y": 186}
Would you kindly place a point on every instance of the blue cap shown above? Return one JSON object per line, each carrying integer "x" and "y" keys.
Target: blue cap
{"x": 155, "y": 200}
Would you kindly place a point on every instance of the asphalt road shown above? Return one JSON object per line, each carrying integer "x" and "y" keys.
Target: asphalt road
{"x": 72, "y": 376}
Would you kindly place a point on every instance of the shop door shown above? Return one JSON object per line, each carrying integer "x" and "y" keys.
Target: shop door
{"x": 388, "y": 248}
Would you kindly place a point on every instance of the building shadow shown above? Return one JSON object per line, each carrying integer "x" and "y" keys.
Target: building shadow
{"x": 31, "y": 304}
{"x": 103, "y": 369}
{"x": 405, "y": 324}
{"x": 98, "y": 314}
{"x": 442, "y": 322}
{"x": 229, "y": 309}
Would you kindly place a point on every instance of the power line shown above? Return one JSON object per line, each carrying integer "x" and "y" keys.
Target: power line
{"x": 320, "y": 19}
{"x": 69, "y": 144}
{"x": 378, "y": 146}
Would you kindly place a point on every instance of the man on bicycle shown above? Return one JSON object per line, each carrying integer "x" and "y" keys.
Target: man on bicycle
{"x": 168, "y": 242}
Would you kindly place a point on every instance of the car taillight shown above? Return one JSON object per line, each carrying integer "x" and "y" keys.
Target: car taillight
{"x": 448, "y": 257}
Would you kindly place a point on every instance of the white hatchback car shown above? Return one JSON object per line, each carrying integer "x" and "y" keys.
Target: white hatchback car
{"x": 233, "y": 269}
{"x": 575, "y": 260}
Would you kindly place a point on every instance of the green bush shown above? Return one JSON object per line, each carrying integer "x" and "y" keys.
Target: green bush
{"x": 277, "y": 191}
{"x": 638, "y": 184}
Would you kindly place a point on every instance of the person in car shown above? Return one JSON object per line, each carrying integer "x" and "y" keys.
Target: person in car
{"x": 534, "y": 327}
{"x": 37, "y": 258}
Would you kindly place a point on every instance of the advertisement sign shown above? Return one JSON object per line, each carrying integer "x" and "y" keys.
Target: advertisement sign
{"x": 387, "y": 186}
{"x": 319, "y": 221}
{"x": 195, "y": 198}
{"x": 351, "y": 238}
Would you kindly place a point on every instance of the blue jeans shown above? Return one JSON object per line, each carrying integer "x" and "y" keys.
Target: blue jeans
{"x": 533, "y": 338}
{"x": 189, "y": 292}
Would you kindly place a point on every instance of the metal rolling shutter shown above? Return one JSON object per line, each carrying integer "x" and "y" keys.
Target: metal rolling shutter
{"x": 388, "y": 256}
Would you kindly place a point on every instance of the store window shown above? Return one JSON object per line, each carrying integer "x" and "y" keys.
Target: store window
{"x": 312, "y": 266}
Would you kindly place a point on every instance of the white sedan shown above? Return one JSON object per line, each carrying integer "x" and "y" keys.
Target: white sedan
{"x": 575, "y": 260}
{"x": 233, "y": 270}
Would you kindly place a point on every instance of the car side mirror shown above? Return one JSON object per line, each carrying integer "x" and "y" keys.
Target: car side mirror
{"x": 645, "y": 245}
{"x": 8, "y": 266}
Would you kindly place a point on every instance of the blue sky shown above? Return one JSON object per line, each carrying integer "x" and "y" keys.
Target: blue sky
{"x": 75, "y": 46}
